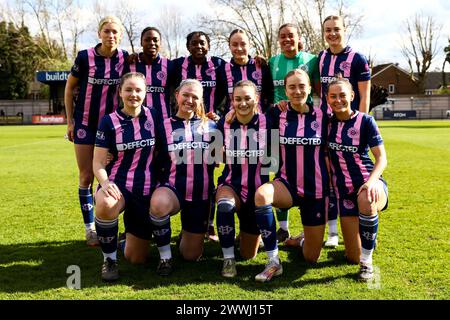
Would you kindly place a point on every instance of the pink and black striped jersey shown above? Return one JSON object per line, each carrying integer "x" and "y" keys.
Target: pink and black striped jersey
{"x": 259, "y": 75}
{"x": 246, "y": 149}
{"x": 186, "y": 156}
{"x": 211, "y": 75}
{"x": 302, "y": 150}
{"x": 132, "y": 142}
{"x": 158, "y": 77}
{"x": 348, "y": 147}
{"x": 350, "y": 64}
{"x": 99, "y": 80}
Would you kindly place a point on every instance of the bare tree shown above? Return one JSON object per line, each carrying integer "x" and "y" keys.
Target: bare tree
{"x": 77, "y": 26}
{"x": 310, "y": 15}
{"x": 174, "y": 28}
{"x": 420, "y": 46}
{"x": 126, "y": 11}
{"x": 129, "y": 15}
{"x": 61, "y": 12}
{"x": 260, "y": 19}
{"x": 40, "y": 10}
{"x": 13, "y": 13}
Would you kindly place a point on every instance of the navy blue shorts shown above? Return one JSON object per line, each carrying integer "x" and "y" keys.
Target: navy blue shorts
{"x": 246, "y": 214}
{"x": 313, "y": 212}
{"x": 136, "y": 215}
{"x": 83, "y": 134}
{"x": 194, "y": 214}
{"x": 348, "y": 204}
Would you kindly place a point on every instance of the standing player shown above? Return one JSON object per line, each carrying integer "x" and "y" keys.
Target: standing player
{"x": 245, "y": 144}
{"x": 339, "y": 59}
{"x": 187, "y": 182}
{"x": 97, "y": 72}
{"x": 302, "y": 179}
{"x": 208, "y": 70}
{"x": 127, "y": 181}
{"x": 243, "y": 67}
{"x": 360, "y": 189}
{"x": 290, "y": 58}
{"x": 158, "y": 71}
{"x": 211, "y": 74}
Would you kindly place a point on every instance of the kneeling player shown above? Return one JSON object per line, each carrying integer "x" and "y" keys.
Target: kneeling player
{"x": 188, "y": 174}
{"x": 302, "y": 179}
{"x": 126, "y": 182}
{"x": 360, "y": 189}
{"x": 245, "y": 145}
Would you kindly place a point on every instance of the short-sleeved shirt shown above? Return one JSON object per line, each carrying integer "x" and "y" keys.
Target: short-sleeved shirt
{"x": 99, "y": 80}
{"x": 350, "y": 64}
{"x": 247, "y": 148}
{"x": 348, "y": 147}
{"x": 211, "y": 75}
{"x": 302, "y": 150}
{"x": 186, "y": 158}
{"x": 259, "y": 75}
{"x": 132, "y": 142}
{"x": 280, "y": 66}
{"x": 158, "y": 78}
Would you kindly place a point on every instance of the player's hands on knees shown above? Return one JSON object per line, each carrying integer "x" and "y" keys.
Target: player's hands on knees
{"x": 282, "y": 105}
{"x": 371, "y": 191}
{"x": 230, "y": 116}
{"x": 110, "y": 189}
{"x": 213, "y": 116}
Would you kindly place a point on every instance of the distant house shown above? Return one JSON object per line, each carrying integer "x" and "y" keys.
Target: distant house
{"x": 395, "y": 79}
{"x": 433, "y": 82}
{"x": 398, "y": 81}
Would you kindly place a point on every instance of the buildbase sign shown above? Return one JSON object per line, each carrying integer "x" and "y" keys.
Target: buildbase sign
{"x": 48, "y": 119}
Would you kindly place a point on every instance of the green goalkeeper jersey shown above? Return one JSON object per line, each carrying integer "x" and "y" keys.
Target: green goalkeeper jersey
{"x": 280, "y": 66}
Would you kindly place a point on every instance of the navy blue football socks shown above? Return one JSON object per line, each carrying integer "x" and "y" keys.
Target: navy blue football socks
{"x": 107, "y": 236}
{"x": 225, "y": 222}
{"x": 265, "y": 220}
{"x": 87, "y": 204}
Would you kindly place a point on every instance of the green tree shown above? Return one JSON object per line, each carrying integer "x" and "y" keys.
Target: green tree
{"x": 18, "y": 63}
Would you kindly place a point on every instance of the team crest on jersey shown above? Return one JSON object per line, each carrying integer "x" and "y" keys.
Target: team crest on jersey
{"x": 304, "y": 67}
{"x": 100, "y": 135}
{"x": 315, "y": 125}
{"x": 148, "y": 125}
{"x": 161, "y": 75}
{"x": 210, "y": 72}
{"x": 345, "y": 66}
{"x": 81, "y": 133}
{"x": 352, "y": 132}
{"x": 257, "y": 75}
{"x": 348, "y": 204}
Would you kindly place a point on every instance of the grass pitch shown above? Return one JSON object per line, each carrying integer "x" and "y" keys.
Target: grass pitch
{"x": 42, "y": 232}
